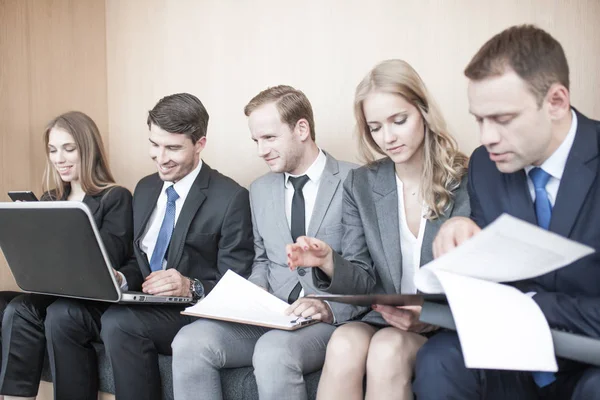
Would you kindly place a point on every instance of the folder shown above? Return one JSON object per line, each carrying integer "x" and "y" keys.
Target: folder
{"x": 235, "y": 299}
{"x": 384, "y": 299}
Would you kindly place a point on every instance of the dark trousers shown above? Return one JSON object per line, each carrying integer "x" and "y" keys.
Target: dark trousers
{"x": 440, "y": 374}
{"x": 133, "y": 337}
{"x": 23, "y": 344}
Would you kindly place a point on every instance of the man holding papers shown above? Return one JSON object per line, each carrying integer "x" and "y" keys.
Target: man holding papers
{"x": 302, "y": 195}
{"x": 539, "y": 162}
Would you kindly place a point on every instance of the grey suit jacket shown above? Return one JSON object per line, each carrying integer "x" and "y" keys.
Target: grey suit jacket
{"x": 272, "y": 232}
{"x": 371, "y": 260}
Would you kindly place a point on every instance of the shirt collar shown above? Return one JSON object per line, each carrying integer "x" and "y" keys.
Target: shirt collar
{"x": 314, "y": 172}
{"x": 183, "y": 186}
{"x": 555, "y": 164}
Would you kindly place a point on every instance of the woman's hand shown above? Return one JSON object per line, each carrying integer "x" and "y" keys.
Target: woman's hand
{"x": 405, "y": 318}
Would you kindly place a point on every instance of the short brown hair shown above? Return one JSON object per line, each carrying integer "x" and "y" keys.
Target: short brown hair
{"x": 180, "y": 113}
{"x": 531, "y": 52}
{"x": 292, "y": 104}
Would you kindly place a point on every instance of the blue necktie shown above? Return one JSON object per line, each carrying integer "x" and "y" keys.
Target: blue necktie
{"x": 543, "y": 211}
{"x": 166, "y": 230}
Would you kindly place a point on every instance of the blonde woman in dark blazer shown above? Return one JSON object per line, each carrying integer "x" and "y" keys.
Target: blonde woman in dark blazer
{"x": 392, "y": 210}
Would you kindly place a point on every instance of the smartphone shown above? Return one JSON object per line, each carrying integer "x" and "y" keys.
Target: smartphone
{"x": 25, "y": 195}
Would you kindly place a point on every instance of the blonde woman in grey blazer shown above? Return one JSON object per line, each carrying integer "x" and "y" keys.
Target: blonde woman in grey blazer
{"x": 392, "y": 210}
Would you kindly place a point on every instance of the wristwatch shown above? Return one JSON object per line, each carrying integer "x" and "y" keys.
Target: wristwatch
{"x": 196, "y": 288}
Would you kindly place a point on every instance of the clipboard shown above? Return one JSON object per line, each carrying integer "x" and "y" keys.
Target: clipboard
{"x": 384, "y": 299}
{"x": 235, "y": 299}
{"x": 293, "y": 326}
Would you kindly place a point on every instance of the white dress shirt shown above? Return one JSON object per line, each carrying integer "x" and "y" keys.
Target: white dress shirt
{"x": 309, "y": 191}
{"x": 555, "y": 164}
{"x": 150, "y": 236}
{"x": 409, "y": 244}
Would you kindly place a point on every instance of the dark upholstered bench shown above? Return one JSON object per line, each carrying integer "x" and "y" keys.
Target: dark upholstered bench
{"x": 238, "y": 383}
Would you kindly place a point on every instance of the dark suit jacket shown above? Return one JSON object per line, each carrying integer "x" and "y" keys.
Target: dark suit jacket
{"x": 112, "y": 214}
{"x": 569, "y": 297}
{"x": 213, "y": 232}
{"x": 371, "y": 260}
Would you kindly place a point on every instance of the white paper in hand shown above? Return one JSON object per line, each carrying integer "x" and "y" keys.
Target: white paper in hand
{"x": 507, "y": 250}
{"x": 499, "y": 327}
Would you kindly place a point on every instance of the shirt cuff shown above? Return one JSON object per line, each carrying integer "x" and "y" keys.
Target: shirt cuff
{"x": 123, "y": 281}
{"x": 330, "y": 309}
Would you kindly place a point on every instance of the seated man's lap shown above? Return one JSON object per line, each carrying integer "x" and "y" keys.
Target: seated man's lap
{"x": 158, "y": 323}
{"x": 441, "y": 360}
{"x": 303, "y": 349}
{"x": 220, "y": 344}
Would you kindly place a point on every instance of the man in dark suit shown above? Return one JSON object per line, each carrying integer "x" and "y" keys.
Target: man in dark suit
{"x": 539, "y": 162}
{"x": 191, "y": 224}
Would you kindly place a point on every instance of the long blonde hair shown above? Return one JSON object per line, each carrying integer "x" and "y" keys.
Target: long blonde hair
{"x": 94, "y": 172}
{"x": 444, "y": 165}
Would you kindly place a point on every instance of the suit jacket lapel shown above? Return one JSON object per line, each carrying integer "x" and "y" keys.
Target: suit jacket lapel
{"x": 193, "y": 201}
{"x": 518, "y": 197}
{"x": 327, "y": 188}
{"x": 578, "y": 176}
{"x": 386, "y": 206}
{"x": 148, "y": 205}
{"x": 278, "y": 207}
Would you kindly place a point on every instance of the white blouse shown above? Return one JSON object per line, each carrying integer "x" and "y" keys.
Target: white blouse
{"x": 409, "y": 244}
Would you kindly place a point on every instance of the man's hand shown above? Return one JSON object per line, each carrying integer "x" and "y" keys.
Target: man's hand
{"x": 453, "y": 233}
{"x": 310, "y": 252}
{"x": 405, "y": 318}
{"x": 167, "y": 282}
{"x": 307, "y": 307}
{"x": 118, "y": 277}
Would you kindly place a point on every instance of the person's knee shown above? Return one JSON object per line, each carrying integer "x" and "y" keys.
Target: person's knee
{"x": 442, "y": 351}
{"x": 588, "y": 387}
{"x": 16, "y": 307}
{"x": 197, "y": 343}
{"x": 276, "y": 350}
{"x": 27, "y": 307}
{"x": 347, "y": 350}
{"x": 63, "y": 314}
{"x": 393, "y": 352}
{"x": 118, "y": 323}
{"x": 439, "y": 359}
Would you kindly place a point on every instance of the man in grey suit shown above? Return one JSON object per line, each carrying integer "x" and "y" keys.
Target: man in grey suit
{"x": 301, "y": 196}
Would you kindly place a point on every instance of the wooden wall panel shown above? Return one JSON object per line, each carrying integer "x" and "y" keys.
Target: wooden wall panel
{"x": 227, "y": 51}
{"x": 52, "y": 60}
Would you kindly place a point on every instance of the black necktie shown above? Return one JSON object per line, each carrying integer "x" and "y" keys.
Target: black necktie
{"x": 298, "y": 222}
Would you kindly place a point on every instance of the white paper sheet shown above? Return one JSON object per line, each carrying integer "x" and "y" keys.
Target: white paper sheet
{"x": 507, "y": 250}
{"x": 239, "y": 299}
{"x": 498, "y": 326}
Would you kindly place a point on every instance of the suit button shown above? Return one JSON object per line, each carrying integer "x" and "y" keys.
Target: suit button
{"x": 301, "y": 271}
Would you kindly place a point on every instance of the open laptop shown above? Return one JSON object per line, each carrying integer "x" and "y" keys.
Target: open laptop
{"x": 55, "y": 248}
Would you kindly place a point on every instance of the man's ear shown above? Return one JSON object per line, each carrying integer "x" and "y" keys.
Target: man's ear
{"x": 302, "y": 129}
{"x": 558, "y": 100}
{"x": 199, "y": 146}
